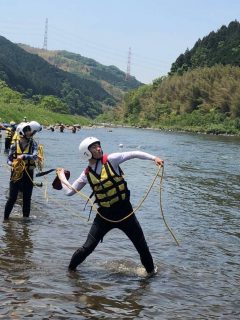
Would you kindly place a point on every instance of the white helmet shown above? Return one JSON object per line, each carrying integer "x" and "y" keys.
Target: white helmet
{"x": 84, "y": 147}
{"x": 20, "y": 128}
{"x": 35, "y": 127}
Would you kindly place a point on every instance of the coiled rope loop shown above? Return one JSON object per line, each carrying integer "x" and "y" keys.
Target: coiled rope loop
{"x": 137, "y": 207}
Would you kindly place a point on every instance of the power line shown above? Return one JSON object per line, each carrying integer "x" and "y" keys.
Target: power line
{"x": 93, "y": 50}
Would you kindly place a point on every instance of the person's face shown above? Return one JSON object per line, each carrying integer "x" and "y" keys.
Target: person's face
{"x": 27, "y": 132}
{"x": 96, "y": 150}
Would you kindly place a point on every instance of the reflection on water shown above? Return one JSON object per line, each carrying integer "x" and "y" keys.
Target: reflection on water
{"x": 15, "y": 261}
{"x": 17, "y": 244}
{"x": 198, "y": 280}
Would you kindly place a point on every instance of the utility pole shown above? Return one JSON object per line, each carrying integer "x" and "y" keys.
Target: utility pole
{"x": 127, "y": 76}
{"x": 45, "y": 35}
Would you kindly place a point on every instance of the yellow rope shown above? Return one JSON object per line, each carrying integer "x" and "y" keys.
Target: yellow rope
{"x": 137, "y": 207}
{"x": 18, "y": 167}
{"x": 40, "y": 160}
{"x": 160, "y": 198}
{"x": 46, "y": 196}
{"x": 96, "y": 209}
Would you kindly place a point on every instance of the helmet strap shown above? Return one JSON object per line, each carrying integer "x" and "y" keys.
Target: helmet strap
{"x": 96, "y": 165}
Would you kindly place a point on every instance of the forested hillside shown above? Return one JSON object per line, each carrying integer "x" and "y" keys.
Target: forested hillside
{"x": 205, "y": 99}
{"x": 48, "y": 110}
{"x": 201, "y": 93}
{"x": 33, "y": 76}
{"x": 221, "y": 47}
{"x": 110, "y": 77}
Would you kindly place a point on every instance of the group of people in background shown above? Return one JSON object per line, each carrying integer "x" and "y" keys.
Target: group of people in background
{"x": 61, "y": 127}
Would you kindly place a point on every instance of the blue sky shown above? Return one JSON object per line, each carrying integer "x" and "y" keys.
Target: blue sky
{"x": 157, "y": 31}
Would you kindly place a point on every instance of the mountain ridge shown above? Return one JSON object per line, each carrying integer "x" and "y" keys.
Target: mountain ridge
{"x": 32, "y": 75}
{"x": 111, "y": 78}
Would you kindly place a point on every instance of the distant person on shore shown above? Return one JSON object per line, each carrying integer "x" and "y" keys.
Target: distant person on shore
{"x": 22, "y": 156}
{"x": 112, "y": 197}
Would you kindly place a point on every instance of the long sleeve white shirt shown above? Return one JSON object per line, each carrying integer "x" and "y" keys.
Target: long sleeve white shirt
{"x": 114, "y": 158}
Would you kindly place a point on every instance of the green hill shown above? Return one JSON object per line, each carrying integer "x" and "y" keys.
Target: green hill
{"x": 110, "y": 78}
{"x": 221, "y": 47}
{"x": 202, "y": 100}
{"x": 15, "y": 106}
{"x": 33, "y": 76}
{"x": 201, "y": 93}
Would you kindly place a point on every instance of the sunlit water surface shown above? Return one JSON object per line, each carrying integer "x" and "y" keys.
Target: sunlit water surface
{"x": 200, "y": 197}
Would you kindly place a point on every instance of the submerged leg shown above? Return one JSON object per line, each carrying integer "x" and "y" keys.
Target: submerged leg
{"x": 27, "y": 193}
{"x": 13, "y": 193}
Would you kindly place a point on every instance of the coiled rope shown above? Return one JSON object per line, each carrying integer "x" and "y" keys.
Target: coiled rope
{"x": 137, "y": 207}
{"x": 19, "y": 167}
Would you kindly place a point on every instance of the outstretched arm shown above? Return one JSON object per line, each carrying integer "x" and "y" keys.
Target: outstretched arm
{"x": 120, "y": 157}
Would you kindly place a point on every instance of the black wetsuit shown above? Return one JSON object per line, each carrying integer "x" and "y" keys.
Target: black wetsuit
{"x": 100, "y": 227}
{"x": 24, "y": 185}
{"x": 116, "y": 211}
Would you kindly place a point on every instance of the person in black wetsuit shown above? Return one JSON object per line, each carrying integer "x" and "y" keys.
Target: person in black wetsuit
{"x": 113, "y": 198}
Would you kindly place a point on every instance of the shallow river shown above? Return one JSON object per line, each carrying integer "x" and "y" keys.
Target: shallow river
{"x": 200, "y": 198}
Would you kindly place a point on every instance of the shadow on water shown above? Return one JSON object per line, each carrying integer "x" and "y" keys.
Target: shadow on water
{"x": 100, "y": 299}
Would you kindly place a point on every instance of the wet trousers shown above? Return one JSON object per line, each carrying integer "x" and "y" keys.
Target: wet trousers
{"x": 7, "y": 144}
{"x": 25, "y": 185}
{"x": 100, "y": 227}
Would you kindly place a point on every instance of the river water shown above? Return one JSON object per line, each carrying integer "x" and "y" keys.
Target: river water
{"x": 200, "y": 198}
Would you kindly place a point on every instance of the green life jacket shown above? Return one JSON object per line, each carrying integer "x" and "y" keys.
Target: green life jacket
{"x": 108, "y": 187}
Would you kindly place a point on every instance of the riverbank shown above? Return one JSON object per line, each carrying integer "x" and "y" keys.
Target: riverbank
{"x": 16, "y": 113}
{"x": 197, "y": 130}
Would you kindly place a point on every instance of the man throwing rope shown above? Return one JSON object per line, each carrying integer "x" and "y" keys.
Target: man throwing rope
{"x": 22, "y": 156}
{"x": 112, "y": 197}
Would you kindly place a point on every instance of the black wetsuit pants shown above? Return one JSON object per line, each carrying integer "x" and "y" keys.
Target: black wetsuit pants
{"x": 100, "y": 227}
{"x": 7, "y": 144}
{"x": 25, "y": 185}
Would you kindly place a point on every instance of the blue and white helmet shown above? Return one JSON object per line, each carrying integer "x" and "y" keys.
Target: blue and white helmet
{"x": 35, "y": 127}
{"x": 20, "y": 128}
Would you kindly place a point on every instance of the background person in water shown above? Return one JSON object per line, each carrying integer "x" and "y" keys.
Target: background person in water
{"x": 113, "y": 198}
{"x": 22, "y": 156}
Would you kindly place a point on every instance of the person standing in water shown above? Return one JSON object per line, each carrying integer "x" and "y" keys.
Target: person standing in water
{"x": 112, "y": 197}
{"x": 24, "y": 151}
